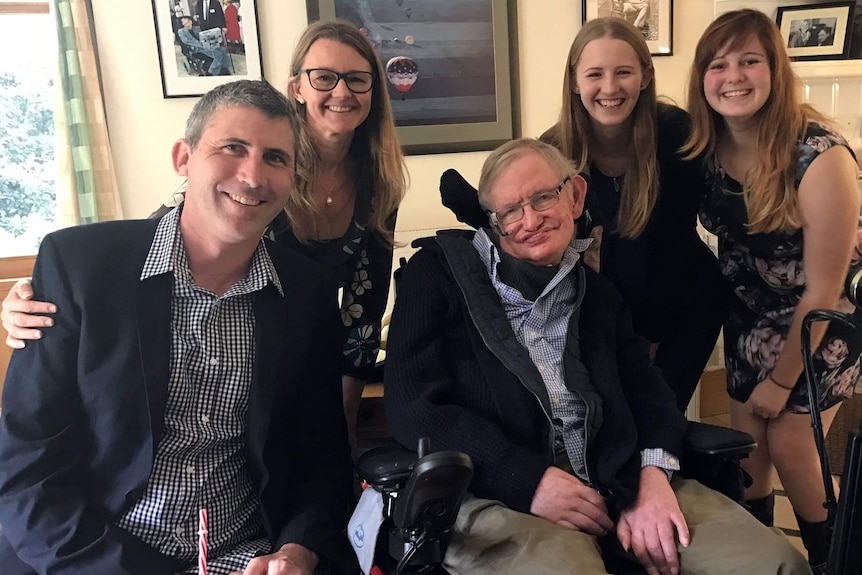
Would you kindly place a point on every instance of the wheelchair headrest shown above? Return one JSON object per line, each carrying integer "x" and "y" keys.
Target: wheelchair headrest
{"x": 462, "y": 198}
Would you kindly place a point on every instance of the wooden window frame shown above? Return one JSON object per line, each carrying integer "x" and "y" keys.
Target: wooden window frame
{"x": 20, "y": 266}
{"x": 24, "y": 8}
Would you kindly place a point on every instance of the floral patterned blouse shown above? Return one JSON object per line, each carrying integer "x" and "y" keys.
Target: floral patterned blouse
{"x": 362, "y": 262}
{"x": 765, "y": 272}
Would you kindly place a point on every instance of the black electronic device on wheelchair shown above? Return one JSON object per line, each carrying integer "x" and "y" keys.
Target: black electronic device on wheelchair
{"x": 422, "y": 493}
{"x": 845, "y": 514}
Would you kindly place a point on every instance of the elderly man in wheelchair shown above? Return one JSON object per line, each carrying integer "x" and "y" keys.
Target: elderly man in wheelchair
{"x": 194, "y": 47}
{"x": 505, "y": 347}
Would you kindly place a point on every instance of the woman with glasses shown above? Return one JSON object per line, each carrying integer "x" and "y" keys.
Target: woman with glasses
{"x": 350, "y": 178}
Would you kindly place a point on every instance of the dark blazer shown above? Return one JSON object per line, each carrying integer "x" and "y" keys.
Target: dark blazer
{"x": 83, "y": 408}
{"x": 210, "y": 14}
{"x": 456, "y": 373}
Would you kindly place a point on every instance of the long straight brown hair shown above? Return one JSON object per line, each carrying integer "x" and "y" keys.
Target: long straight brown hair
{"x": 375, "y": 150}
{"x": 769, "y": 189}
{"x": 573, "y": 133}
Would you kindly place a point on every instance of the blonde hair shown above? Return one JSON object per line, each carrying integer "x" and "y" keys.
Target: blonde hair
{"x": 572, "y": 134}
{"x": 375, "y": 151}
{"x": 769, "y": 191}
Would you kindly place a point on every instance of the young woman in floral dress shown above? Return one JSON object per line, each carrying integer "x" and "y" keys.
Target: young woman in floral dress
{"x": 785, "y": 206}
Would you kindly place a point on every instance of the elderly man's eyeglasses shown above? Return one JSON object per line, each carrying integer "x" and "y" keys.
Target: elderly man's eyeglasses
{"x": 539, "y": 202}
{"x": 324, "y": 80}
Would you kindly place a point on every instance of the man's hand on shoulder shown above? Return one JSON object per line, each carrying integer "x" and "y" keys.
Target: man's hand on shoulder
{"x": 649, "y": 528}
{"x": 565, "y": 500}
{"x": 291, "y": 559}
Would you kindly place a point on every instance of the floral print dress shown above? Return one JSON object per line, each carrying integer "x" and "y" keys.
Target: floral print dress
{"x": 361, "y": 260}
{"x": 765, "y": 272}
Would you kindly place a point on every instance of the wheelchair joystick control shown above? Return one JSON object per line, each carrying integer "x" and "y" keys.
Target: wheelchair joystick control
{"x": 424, "y": 447}
{"x": 422, "y": 495}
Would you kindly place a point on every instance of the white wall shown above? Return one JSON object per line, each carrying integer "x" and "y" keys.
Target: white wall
{"x": 144, "y": 125}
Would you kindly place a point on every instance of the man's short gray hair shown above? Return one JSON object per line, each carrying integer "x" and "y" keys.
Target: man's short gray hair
{"x": 257, "y": 94}
{"x": 505, "y": 154}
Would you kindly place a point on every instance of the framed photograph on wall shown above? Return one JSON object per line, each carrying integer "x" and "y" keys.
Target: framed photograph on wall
{"x": 654, "y": 18}
{"x": 816, "y": 31}
{"x": 855, "y": 32}
{"x": 449, "y": 67}
{"x": 204, "y": 43}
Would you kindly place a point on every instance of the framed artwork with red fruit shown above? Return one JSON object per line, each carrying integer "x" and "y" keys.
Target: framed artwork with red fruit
{"x": 448, "y": 67}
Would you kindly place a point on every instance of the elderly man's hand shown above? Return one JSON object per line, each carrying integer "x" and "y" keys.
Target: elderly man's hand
{"x": 291, "y": 559}
{"x": 650, "y": 526}
{"x": 563, "y": 499}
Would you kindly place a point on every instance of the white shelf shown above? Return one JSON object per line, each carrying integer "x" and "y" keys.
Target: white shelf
{"x": 828, "y": 69}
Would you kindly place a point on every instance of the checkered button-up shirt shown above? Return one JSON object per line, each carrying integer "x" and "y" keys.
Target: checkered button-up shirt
{"x": 199, "y": 461}
{"x": 541, "y": 327}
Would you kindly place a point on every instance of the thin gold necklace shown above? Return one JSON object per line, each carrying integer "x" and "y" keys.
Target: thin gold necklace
{"x": 336, "y": 180}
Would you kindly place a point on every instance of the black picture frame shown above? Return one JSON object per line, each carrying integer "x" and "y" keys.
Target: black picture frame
{"x": 653, "y": 17}
{"x": 816, "y": 31}
{"x": 464, "y": 96}
{"x": 185, "y": 69}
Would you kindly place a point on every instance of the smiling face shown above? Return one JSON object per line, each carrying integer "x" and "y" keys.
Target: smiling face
{"x": 338, "y": 111}
{"x": 738, "y": 82}
{"x": 239, "y": 175}
{"x": 608, "y": 80}
{"x": 539, "y": 238}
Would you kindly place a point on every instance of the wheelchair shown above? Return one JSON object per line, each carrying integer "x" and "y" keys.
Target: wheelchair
{"x": 196, "y": 64}
{"x": 844, "y": 515}
{"x": 422, "y": 491}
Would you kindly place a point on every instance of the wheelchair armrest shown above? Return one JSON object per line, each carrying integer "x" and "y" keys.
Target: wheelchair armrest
{"x": 713, "y": 440}
{"x": 384, "y": 467}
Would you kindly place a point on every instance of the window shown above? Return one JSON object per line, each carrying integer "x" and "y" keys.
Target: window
{"x": 27, "y": 99}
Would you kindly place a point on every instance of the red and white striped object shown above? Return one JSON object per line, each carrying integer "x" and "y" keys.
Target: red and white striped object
{"x": 202, "y": 542}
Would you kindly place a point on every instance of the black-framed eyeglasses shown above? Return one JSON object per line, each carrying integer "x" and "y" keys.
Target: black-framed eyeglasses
{"x": 539, "y": 202}
{"x": 324, "y": 80}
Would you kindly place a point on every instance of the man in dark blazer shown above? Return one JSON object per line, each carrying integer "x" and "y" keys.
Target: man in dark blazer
{"x": 209, "y": 14}
{"x": 505, "y": 346}
{"x": 193, "y": 365}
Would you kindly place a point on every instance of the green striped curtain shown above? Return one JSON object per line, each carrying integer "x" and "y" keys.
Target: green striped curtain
{"x": 87, "y": 188}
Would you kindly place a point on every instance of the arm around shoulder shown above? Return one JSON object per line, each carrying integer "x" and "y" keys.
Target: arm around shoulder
{"x": 22, "y": 316}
